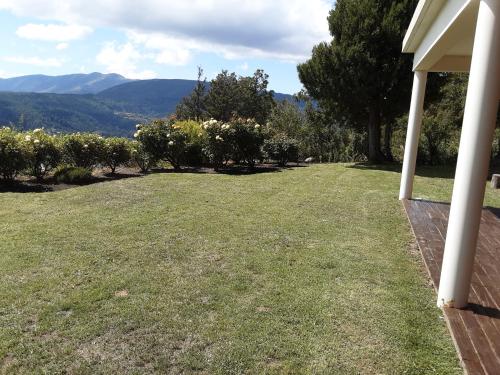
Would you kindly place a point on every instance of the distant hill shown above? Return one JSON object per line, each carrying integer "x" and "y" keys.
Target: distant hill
{"x": 112, "y": 111}
{"x": 154, "y": 97}
{"x": 66, "y": 84}
{"x": 63, "y": 113}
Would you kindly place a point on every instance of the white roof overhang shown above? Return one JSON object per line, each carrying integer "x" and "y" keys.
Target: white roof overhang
{"x": 441, "y": 35}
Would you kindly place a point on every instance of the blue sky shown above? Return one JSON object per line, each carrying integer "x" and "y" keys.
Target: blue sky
{"x": 161, "y": 38}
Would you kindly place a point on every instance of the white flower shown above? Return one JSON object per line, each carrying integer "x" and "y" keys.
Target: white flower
{"x": 219, "y": 138}
{"x": 85, "y": 146}
{"x": 171, "y": 143}
{"x": 27, "y": 138}
{"x": 136, "y": 135}
{"x": 257, "y": 126}
{"x": 138, "y": 126}
{"x": 101, "y": 137}
{"x": 37, "y": 130}
{"x": 168, "y": 135}
{"x": 36, "y": 141}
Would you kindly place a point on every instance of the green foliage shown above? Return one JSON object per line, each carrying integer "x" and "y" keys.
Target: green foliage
{"x": 116, "y": 152}
{"x": 85, "y": 150}
{"x": 144, "y": 160}
{"x": 246, "y": 137}
{"x": 163, "y": 140}
{"x": 360, "y": 77}
{"x": 282, "y": 149}
{"x": 193, "y": 106}
{"x": 218, "y": 147}
{"x": 223, "y": 98}
{"x": 13, "y": 153}
{"x": 195, "y": 141}
{"x": 44, "y": 152}
{"x": 73, "y": 175}
{"x": 255, "y": 101}
{"x": 228, "y": 96}
{"x": 288, "y": 119}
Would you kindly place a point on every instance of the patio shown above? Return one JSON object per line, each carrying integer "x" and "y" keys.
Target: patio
{"x": 475, "y": 329}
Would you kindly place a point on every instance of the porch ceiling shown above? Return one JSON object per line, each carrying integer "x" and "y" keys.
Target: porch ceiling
{"x": 441, "y": 35}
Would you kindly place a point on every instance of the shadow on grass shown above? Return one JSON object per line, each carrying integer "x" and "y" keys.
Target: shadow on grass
{"x": 49, "y": 184}
{"x": 430, "y": 171}
{"x": 442, "y": 171}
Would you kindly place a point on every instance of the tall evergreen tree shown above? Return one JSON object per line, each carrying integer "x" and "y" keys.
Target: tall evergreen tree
{"x": 193, "y": 106}
{"x": 361, "y": 77}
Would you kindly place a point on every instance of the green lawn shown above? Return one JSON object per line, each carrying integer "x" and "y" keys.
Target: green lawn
{"x": 309, "y": 270}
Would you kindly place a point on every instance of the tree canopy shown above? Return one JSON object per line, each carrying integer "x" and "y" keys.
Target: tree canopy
{"x": 360, "y": 77}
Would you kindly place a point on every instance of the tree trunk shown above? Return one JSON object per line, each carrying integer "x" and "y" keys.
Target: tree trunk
{"x": 387, "y": 142}
{"x": 374, "y": 151}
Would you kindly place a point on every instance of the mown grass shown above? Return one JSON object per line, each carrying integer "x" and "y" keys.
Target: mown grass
{"x": 301, "y": 271}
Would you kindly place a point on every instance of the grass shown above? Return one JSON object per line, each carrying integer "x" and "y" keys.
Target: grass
{"x": 301, "y": 271}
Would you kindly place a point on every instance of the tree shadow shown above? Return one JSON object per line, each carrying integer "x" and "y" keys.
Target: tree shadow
{"x": 430, "y": 171}
{"x": 24, "y": 187}
{"x": 441, "y": 171}
{"x": 50, "y": 185}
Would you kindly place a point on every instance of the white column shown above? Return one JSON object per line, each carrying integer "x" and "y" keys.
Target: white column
{"x": 413, "y": 134}
{"x": 473, "y": 159}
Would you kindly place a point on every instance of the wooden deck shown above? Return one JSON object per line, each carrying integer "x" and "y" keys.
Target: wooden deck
{"x": 475, "y": 330}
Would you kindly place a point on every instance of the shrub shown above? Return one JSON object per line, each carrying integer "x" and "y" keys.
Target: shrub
{"x": 44, "y": 152}
{"x": 13, "y": 153}
{"x": 116, "y": 152}
{"x": 282, "y": 149}
{"x": 73, "y": 175}
{"x": 246, "y": 138}
{"x": 163, "y": 140}
{"x": 218, "y": 147}
{"x": 195, "y": 141}
{"x": 144, "y": 160}
{"x": 83, "y": 150}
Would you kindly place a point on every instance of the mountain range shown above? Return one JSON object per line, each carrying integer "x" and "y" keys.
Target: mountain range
{"x": 109, "y": 104}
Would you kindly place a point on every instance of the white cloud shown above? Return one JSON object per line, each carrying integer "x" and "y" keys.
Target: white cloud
{"x": 62, "y": 46}
{"x": 279, "y": 29}
{"x": 36, "y": 61}
{"x": 53, "y": 33}
{"x": 244, "y": 66}
{"x": 123, "y": 59}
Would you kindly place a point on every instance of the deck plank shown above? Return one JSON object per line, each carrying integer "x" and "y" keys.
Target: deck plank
{"x": 476, "y": 329}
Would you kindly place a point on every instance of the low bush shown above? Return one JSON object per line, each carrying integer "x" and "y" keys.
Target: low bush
{"x": 247, "y": 138}
{"x": 73, "y": 175}
{"x": 218, "y": 146}
{"x": 44, "y": 152}
{"x": 163, "y": 140}
{"x": 14, "y": 154}
{"x": 144, "y": 160}
{"x": 116, "y": 152}
{"x": 83, "y": 150}
{"x": 195, "y": 142}
{"x": 282, "y": 149}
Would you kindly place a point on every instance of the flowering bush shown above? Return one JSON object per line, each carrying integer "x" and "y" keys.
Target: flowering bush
{"x": 218, "y": 146}
{"x": 13, "y": 153}
{"x": 84, "y": 150}
{"x": 116, "y": 152}
{"x": 163, "y": 140}
{"x": 44, "y": 152}
{"x": 144, "y": 160}
{"x": 282, "y": 149}
{"x": 247, "y": 138}
{"x": 195, "y": 141}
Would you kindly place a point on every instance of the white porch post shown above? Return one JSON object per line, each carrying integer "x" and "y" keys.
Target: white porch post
{"x": 473, "y": 159}
{"x": 413, "y": 134}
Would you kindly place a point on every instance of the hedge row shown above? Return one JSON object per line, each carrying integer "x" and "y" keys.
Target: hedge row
{"x": 186, "y": 143}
